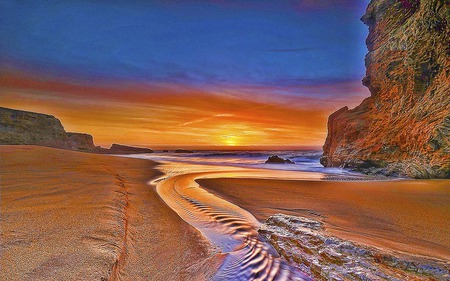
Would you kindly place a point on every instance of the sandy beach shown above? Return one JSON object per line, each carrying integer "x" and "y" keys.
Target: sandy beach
{"x": 79, "y": 216}
{"x": 408, "y": 216}
{"x": 76, "y": 216}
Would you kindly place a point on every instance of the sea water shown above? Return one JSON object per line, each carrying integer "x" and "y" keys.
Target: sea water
{"x": 305, "y": 160}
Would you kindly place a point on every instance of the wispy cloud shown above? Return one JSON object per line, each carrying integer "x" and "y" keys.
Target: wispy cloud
{"x": 172, "y": 114}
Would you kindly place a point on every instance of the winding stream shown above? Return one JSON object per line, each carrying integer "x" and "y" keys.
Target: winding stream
{"x": 228, "y": 226}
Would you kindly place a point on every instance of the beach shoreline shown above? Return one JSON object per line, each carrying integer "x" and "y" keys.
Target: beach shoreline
{"x": 88, "y": 215}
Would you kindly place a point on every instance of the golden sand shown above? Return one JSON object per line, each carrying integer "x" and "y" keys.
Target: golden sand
{"x": 75, "y": 216}
{"x": 407, "y": 216}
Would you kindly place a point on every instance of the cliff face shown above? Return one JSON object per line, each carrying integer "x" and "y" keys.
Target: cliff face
{"x": 404, "y": 126}
{"x": 23, "y": 127}
{"x": 81, "y": 141}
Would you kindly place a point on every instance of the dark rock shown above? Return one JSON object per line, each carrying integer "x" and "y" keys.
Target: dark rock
{"x": 275, "y": 159}
{"x": 124, "y": 149}
{"x": 165, "y": 151}
{"x": 404, "y": 126}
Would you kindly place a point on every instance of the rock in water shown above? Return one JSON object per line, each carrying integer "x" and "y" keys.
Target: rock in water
{"x": 404, "y": 126}
{"x": 275, "y": 159}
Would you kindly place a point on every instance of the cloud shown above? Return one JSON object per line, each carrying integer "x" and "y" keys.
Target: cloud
{"x": 169, "y": 114}
{"x": 224, "y": 115}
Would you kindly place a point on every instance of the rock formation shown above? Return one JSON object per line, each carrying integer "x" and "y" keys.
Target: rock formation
{"x": 19, "y": 127}
{"x": 404, "y": 126}
{"x": 81, "y": 141}
{"x": 275, "y": 159}
{"x": 118, "y": 148}
{"x": 23, "y": 127}
{"x": 306, "y": 243}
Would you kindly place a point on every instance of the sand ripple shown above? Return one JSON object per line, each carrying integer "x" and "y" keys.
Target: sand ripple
{"x": 231, "y": 228}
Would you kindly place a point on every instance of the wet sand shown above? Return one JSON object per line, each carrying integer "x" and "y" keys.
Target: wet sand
{"x": 403, "y": 216}
{"x": 76, "y": 216}
{"x": 228, "y": 226}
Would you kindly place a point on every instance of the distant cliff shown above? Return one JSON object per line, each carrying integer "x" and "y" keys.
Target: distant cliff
{"x": 404, "y": 126}
{"x": 118, "y": 148}
{"x": 19, "y": 127}
{"x": 23, "y": 127}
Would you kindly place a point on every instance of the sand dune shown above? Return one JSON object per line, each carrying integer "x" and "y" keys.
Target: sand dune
{"x": 76, "y": 216}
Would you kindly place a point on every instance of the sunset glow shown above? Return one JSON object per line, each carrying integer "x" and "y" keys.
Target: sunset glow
{"x": 171, "y": 115}
{"x": 200, "y": 81}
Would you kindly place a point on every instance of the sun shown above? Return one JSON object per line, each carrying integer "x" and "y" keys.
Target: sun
{"x": 230, "y": 140}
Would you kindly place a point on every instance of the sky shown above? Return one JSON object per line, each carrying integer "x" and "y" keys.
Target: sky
{"x": 185, "y": 73}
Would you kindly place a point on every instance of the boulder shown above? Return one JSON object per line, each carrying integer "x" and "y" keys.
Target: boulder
{"x": 306, "y": 243}
{"x": 275, "y": 159}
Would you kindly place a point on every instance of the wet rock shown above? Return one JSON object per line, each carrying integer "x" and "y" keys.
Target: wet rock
{"x": 275, "y": 159}
{"x": 304, "y": 242}
{"x": 404, "y": 126}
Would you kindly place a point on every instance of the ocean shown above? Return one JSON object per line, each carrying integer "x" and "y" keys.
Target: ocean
{"x": 305, "y": 160}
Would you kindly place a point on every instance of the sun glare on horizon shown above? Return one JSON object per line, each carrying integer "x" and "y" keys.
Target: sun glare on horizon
{"x": 230, "y": 140}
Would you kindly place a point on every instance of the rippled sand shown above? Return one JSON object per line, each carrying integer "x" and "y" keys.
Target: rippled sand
{"x": 232, "y": 229}
{"x": 76, "y": 216}
{"x": 408, "y": 216}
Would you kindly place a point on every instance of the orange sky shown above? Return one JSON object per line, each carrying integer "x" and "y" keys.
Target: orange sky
{"x": 159, "y": 115}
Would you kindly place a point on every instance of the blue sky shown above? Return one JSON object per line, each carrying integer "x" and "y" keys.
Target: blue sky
{"x": 195, "y": 42}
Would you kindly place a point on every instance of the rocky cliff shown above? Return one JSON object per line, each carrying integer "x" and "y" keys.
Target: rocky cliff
{"x": 81, "y": 141}
{"x": 23, "y": 127}
{"x": 404, "y": 126}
